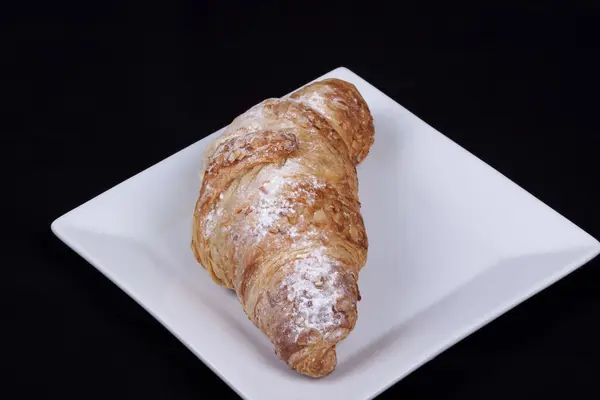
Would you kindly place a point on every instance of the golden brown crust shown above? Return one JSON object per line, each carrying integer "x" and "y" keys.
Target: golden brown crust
{"x": 346, "y": 110}
{"x": 278, "y": 218}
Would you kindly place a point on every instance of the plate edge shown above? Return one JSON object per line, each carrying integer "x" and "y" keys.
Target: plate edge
{"x": 496, "y": 313}
{"x": 81, "y": 251}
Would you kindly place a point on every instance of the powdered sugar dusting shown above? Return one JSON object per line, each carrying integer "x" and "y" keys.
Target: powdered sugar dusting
{"x": 293, "y": 232}
{"x": 256, "y": 112}
{"x": 313, "y": 288}
{"x": 255, "y": 119}
{"x": 212, "y": 219}
{"x": 316, "y": 101}
{"x": 276, "y": 197}
{"x": 250, "y": 121}
{"x": 271, "y": 205}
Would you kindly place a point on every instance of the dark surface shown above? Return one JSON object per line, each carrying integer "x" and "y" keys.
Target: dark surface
{"x": 98, "y": 93}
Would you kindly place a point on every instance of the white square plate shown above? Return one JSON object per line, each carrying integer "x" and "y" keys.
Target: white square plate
{"x": 453, "y": 244}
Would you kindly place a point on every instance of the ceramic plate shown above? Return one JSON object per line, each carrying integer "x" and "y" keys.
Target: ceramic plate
{"x": 453, "y": 245}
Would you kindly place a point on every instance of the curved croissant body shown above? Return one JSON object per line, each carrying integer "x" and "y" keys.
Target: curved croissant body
{"x": 278, "y": 218}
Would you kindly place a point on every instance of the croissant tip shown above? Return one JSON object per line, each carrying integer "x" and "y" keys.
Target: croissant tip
{"x": 318, "y": 367}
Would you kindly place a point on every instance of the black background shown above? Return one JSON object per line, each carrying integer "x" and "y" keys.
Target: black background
{"x": 98, "y": 91}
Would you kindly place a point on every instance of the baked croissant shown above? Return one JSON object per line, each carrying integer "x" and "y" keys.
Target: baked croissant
{"x": 278, "y": 218}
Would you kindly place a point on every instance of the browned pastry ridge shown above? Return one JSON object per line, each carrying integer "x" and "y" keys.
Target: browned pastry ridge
{"x": 278, "y": 218}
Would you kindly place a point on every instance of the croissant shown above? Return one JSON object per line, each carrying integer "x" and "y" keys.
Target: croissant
{"x": 278, "y": 218}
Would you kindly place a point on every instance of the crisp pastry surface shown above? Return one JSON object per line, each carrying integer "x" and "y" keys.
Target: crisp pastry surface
{"x": 278, "y": 218}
